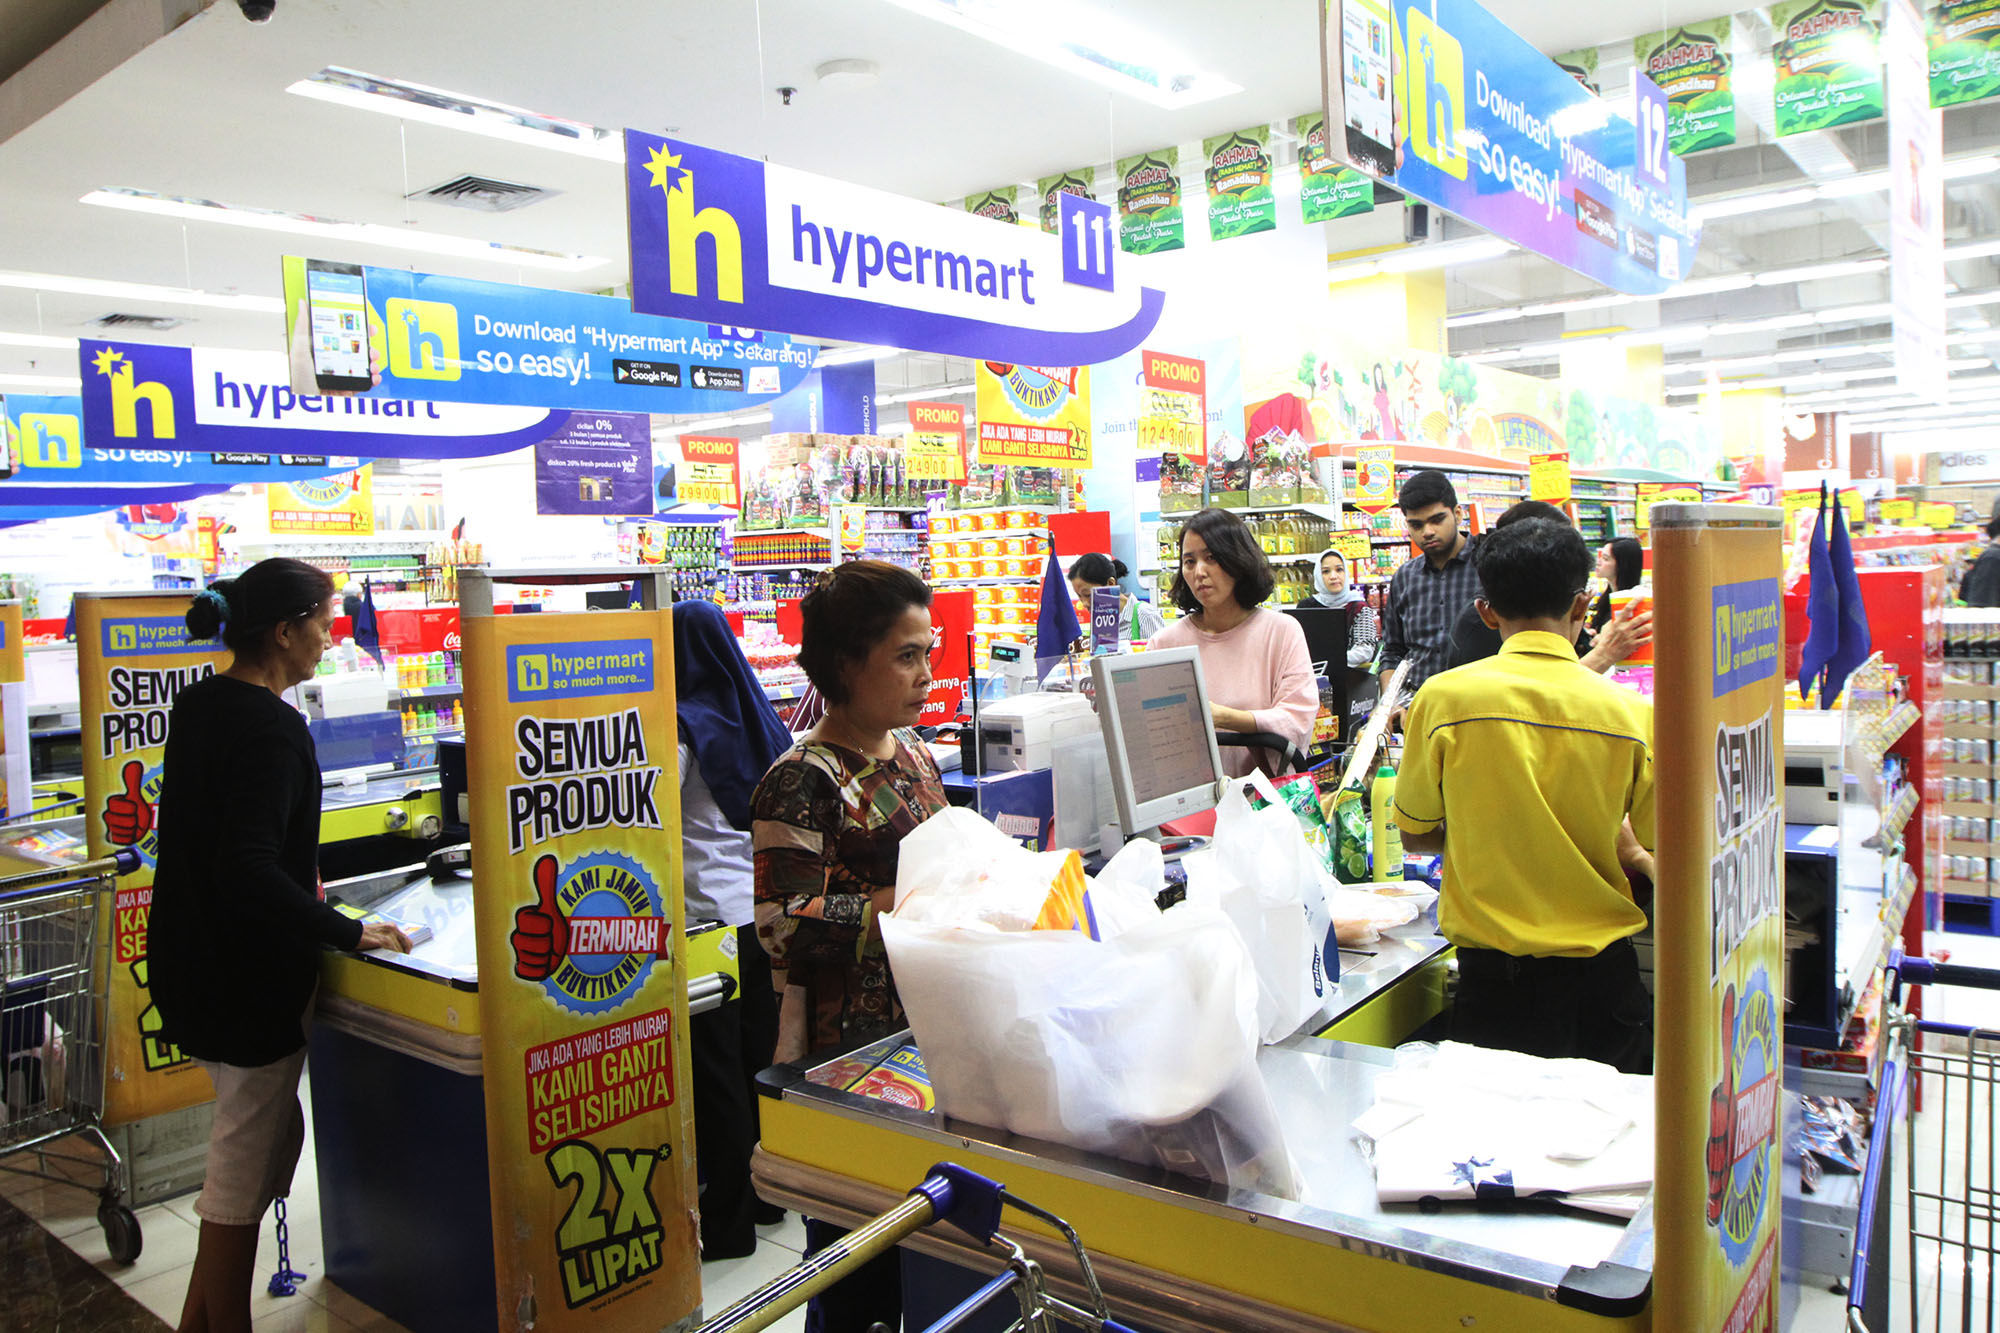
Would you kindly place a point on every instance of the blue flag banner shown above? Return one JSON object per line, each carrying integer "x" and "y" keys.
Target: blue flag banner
{"x": 454, "y": 340}
{"x": 725, "y": 239}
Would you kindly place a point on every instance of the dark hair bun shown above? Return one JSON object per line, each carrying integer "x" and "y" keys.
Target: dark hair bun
{"x": 209, "y": 610}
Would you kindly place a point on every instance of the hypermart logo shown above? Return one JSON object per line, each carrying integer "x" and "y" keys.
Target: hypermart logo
{"x": 688, "y": 226}
{"x": 118, "y": 375}
{"x": 593, "y": 931}
{"x": 1435, "y": 71}
{"x": 1743, "y": 1119}
{"x": 51, "y": 440}
{"x": 732, "y": 241}
{"x": 579, "y": 670}
{"x": 141, "y": 636}
{"x": 423, "y": 339}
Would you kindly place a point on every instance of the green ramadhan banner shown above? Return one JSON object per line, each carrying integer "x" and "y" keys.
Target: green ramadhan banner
{"x": 995, "y": 204}
{"x": 1149, "y": 203}
{"x": 1691, "y": 64}
{"x": 1327, "y": 190}
{"x": 1581, "y": 66}
{"x": 1080, "y": 182}
{"x": 1240, "y": 200}
{"x": 1965, "y": 51}
{"x": 1828, "y": 64}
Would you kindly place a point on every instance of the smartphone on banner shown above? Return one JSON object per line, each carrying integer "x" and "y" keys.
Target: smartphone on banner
{"x": 337, "y": 317}
{"x": 1368, "y": 84}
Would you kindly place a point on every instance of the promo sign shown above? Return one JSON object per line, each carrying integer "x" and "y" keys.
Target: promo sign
{"x": 454, "y": 340}
{"x": 1033, "y": 416}
{"x": 1548, "y": 478}
{"x": 1719, "y": 961}
{"x": 583, "y": 994}
{"x": 133, "y": 657}
{"x": 1173, "y": 414}
{"x": 934, "y": 450}
{"x": 342, "y": 504}
{"x": 1501, "y": 136}
{"x": 731, "y": 240}
{"x": 58, "y": 474}
{"x": 710, "y": 471}
{"x": 1374, "y": 477}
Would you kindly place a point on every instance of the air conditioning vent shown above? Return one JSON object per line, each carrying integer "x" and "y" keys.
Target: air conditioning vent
{"x": 157, "y": 323}
{"x": 485, "y": 194}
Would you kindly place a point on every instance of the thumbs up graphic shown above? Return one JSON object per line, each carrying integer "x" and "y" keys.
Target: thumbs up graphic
{"x": 541, "y": 932}
{"x": 1722, "y": 1113}
{"x": 128, "y": 816}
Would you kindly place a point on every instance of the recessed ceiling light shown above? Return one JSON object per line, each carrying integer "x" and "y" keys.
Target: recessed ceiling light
{"x": 142, "y": 291}
{"x": 457, "y": 111}
{"x": 354, "y": 233}
{"x": 1076, "y": 37}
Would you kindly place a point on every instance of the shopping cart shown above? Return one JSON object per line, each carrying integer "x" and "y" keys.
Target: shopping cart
{"x": 1951, "y": 1175}
{"x": 52, "y": 998}
{"x": 970, "y": 1202}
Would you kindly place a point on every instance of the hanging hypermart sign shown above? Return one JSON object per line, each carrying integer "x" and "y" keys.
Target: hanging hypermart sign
{"x": 724, "y": 239}
{"x": 453, "y": 340}
{"x": 1489, "y": 128}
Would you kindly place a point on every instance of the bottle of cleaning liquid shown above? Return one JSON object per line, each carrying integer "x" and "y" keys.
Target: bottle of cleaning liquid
{"x": 1387, "y": 838}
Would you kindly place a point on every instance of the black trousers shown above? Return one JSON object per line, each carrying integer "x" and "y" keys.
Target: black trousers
{"x": 727, "y": 1047}
{"x": 1592, "y": 1008}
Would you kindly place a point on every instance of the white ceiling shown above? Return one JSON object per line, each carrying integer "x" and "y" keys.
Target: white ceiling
{"x": 202, "y": 111}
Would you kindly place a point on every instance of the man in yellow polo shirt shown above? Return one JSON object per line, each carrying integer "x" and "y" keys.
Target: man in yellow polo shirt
{"x": 1522, "y": 769}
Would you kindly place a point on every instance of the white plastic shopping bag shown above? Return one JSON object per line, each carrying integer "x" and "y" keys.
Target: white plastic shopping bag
{"x": 1141, "y": 1044}
{"x": 1262, "y": 874}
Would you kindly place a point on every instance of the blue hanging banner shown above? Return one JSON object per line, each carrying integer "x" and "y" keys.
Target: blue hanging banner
{"x": 1497, "y": 133}
{"x": 59, "y": 472}
{"x": 454, "y": 340}
{"x": 727, "y": 239}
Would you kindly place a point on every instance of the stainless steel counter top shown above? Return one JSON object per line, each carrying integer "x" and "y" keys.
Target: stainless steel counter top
{"x": 1320, "y": 1087}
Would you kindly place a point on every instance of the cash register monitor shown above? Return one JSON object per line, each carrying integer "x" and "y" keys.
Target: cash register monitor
{"x": 1159, "y": 736}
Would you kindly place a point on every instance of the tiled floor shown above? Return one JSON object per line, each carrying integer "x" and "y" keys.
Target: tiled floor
{"x": 159, "y": 1279}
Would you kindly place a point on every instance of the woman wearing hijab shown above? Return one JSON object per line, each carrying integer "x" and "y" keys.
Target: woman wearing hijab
{"x": 729, "y": 736}
{"x": 1334, "y": 592}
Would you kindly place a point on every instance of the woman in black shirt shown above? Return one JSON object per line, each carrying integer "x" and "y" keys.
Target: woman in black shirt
{"x": 237, "y": 920}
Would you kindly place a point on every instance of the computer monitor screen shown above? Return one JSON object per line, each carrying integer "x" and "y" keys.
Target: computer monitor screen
{"x": 1158, "y": 734}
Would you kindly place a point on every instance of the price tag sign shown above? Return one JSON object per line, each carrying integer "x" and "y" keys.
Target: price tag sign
{"x": 934, "y": 450}
{"x": 1374, "y": 477}
{"x": 1548, "y": 478}
{"x": 709, "y": 471}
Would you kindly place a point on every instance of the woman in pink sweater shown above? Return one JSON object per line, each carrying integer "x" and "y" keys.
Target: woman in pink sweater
{"x": 1260, "y": 677}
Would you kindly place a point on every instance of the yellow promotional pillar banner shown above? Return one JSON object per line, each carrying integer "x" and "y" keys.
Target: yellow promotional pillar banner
{"x": 570, "y": 740}
{"x": 133, "y": 656}
{"x": 1718, "y": 746}
{"x": 13, "y": 656}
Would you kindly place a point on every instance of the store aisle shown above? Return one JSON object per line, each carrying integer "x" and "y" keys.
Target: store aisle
{"x": 158, "y": 1281}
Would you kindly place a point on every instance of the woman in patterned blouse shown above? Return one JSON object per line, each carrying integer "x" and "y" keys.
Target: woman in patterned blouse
{"x": 825, "y": 826}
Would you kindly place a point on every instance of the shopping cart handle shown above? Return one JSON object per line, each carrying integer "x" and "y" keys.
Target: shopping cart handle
{"x": 966, "y": 1199}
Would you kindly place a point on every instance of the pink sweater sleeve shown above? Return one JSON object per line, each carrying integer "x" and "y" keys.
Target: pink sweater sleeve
{"x": 1286, "y": 668}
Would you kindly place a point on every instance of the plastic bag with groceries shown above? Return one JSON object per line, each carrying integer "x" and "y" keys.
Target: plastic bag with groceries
{"x": 1073, "y": 1010}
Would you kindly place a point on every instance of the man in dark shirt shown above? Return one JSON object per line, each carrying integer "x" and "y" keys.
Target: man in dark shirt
{"x": 1472, "y": 641}
{"x": 1428, "y": 592}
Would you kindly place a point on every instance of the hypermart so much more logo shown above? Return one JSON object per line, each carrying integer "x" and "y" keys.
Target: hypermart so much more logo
{"x": 1743, "y": 1119}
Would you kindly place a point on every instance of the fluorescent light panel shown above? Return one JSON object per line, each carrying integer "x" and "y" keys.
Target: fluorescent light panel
{"x": 142, "y": 291}
{"x": 356, "y": 233}
{"x": 1084, "y": 41}
{"x": 458, "y": 111}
